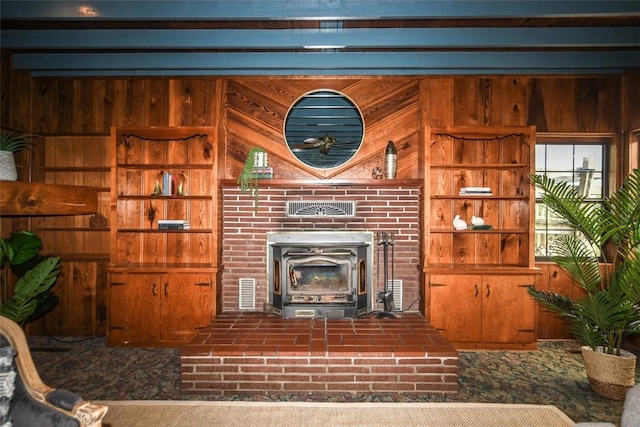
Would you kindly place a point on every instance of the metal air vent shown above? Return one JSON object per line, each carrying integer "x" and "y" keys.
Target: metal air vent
{"x": 396, "y": 286}
{"x": 321, "y": 208}
{"x": 247, "y": 294}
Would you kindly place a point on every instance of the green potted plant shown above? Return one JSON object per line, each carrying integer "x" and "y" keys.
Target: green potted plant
{"x": 11, "y": 142}
{"x": 603, "y": 259}
{"x": 248, "y": 180}
{"x": 32, "y": 295}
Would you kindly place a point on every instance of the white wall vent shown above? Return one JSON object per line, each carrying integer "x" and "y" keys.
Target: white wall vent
{"x": 396, "y": 286}
{"x": 321, "y": 208}
{"x": 247, "y": 294}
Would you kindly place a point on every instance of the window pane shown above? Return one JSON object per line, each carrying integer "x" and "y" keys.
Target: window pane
{"x": 560, "y": 157}
{"x": 541, "y": 152}
{"x": 582, "y": 167}
{"x": 588, "y": 156}
{"x": 541, "y": 243}
{"x": 593, "y": 185}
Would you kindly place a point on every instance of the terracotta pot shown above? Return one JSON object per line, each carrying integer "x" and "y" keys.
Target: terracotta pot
{"x": 7, "y": 166}
{"x": 610, "y": 376}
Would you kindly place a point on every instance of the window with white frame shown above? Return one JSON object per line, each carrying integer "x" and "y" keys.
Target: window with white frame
{"x": 581, "y": 162}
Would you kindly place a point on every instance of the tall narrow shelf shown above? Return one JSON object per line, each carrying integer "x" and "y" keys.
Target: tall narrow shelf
{"x": 475, "y": 279}
{"x": 163, "y": 282}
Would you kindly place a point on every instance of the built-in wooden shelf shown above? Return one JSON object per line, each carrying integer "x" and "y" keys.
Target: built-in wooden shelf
{"x": 40, "y": 199}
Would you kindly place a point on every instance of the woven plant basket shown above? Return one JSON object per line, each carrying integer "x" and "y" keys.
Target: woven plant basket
{"x": 610, "y": 376}
{"x": 7, "y": 166}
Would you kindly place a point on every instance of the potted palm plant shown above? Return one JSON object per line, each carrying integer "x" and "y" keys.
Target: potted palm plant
{"x": 11, "y": 142}
{"x": 603, "y": 259}
{"x": 32, "y": 295}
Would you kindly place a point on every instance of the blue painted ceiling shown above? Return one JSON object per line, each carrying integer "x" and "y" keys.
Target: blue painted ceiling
{"x": 320, "y": 37}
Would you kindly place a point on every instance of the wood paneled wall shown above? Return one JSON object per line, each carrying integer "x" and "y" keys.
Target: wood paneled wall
{"x": 251, "y": 110}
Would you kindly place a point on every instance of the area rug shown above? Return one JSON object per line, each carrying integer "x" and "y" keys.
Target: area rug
{"x": 153, "y": 413}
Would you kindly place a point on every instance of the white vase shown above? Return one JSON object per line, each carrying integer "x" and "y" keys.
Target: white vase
{"x": 8, "y": 170}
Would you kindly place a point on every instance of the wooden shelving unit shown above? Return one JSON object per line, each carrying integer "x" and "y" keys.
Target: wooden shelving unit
{"x": 162, "y": 283}
{"x": 475, "y": 280}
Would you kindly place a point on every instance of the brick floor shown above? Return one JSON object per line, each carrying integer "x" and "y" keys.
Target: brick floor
{"x": 261, "y": 353}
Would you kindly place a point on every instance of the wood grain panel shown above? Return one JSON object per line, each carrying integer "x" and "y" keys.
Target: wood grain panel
{"x": 514, "y": 101}
{"x": 465, "y": 102}
{"x": 256, "y": 109}
{"x": 536, "y": 114}
{"x": 559, "y": 104}
{"x": 607, "y": 104}
{"x": 84, "y": 115}
{"x": 134, "y": 102}
{"x": 19, "y": 107}
{"x": 157, "y": 99}
{"x": 25, "y": 199}
{"x": 586, "y": 110}
{"x": 440, "y": 101}
{"x": 64, "y": 106}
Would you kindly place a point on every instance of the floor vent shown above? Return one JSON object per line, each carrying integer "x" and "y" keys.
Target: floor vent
{"x": 247, "y": 297}
{"x": 321, "y": 208}
{"x": 396, "y": 287}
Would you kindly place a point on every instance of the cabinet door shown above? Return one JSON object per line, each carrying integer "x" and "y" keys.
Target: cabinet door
{"x": 134, "y": 308}
{"x": 508, "y": 312}
{"x": 186, "y": 305}
{"x": 456, "y": 306}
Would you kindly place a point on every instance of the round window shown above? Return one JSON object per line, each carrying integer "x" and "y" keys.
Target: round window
{"x": 324, "y": 129}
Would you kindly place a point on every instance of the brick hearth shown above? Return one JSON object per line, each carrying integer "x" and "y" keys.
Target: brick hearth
{"x": 249, "y": 353}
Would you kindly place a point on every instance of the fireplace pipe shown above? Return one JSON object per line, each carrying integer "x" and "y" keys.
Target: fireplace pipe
{"x": 387, "y": 296}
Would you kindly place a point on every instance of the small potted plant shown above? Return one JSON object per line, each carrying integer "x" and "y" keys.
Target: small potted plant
{"x": 603, "y": 259}
{"x": 10, "y": 143}
{"x": 32, "y": 295}
{"x": 248, "y": 179}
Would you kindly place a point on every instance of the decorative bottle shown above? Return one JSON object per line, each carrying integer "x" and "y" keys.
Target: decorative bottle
{"x": 390, "y": 161}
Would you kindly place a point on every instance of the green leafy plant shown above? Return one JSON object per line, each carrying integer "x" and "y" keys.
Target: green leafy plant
{"x": 14, "y": 141}
{"x": 32, "y": 295}
{"x": 248, "y": 181}
{"x": 602, "y": 258}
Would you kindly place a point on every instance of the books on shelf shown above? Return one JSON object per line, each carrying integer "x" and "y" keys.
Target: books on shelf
{"x": 174, "y": 224}
{"x": 475, "y": 191}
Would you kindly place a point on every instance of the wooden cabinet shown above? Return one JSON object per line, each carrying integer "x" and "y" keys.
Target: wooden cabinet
{"x": 470, "y": 310}
{"x": 475, "y": 277}
{"x": 157, "y": 308}
{"x": 163, "y": 281}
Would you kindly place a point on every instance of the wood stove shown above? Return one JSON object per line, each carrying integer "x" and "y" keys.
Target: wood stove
{"x": 320, "y": 274}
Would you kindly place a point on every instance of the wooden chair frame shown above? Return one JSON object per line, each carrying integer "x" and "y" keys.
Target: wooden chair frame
{"x": 87, "y": 413}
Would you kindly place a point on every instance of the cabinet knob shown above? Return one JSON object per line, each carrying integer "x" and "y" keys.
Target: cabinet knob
{"x": 488, "y": 291}
{"x": 477, "y": 290}
{"x": 166, "y": 289}
{"x": 153, "y": 289}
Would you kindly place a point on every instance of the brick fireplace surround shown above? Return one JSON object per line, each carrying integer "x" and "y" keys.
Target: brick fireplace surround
{"x": 249, "y": 351}
{"x": 255, "y": 353}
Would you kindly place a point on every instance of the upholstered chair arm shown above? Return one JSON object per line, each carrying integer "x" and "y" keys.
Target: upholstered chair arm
{"x": 65, "y": 402}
